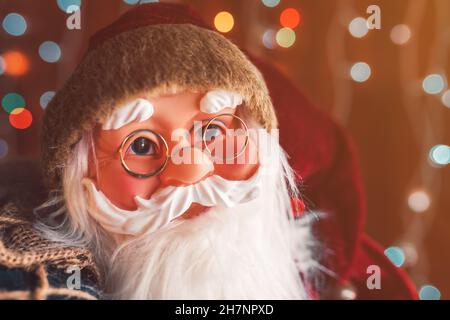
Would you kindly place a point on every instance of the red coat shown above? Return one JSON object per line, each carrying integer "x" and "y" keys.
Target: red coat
{"x": 323, "y": 154}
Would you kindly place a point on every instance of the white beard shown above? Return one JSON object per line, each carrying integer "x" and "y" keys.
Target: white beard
{"x": 252, "y": 250}
{"x": 245, "y": 252}
{"x": 244, "y": 247}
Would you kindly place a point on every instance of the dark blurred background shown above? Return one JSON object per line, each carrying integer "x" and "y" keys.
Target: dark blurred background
{"x": 387, "y": 86}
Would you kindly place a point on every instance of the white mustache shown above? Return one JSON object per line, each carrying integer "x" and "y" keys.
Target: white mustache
{"x": 169, "y": 203}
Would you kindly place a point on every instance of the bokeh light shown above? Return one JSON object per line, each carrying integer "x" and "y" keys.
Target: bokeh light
{"x": 396, "y": 255}
{"x": 271, "y": 3}
{"x": 360, "y": 72}
{"x": 3, "y": 148}
{"x": 347, "y": 292}
{"x": 290, "y": 18}
{"x": 2, "y": 65}
{"x": 419, "y": 201}
{"x": 49, "y": 51}
{"x": 446, "y": 98}
{"x": 400, "y": 34}
{"x": 12, "y": 101}
{"x": 14, "y": 24}
{"x": 358, "y": 27}
{"x": 440, "y": 155}
{"x": 20, "y": 118}
{"x": 64, "y": 5}
{"x": 46, "y": 98}
{"x": 411, "y": 254}
{"x": 285, "y": 37}
{"x": 433, "y": 84}
{"x": 224, "y": 21}
{"x": 16, "y": 63}
{"x": 429, "y": 292}
{"x": 133, "y": 2}
{"x": 269, "y": 39}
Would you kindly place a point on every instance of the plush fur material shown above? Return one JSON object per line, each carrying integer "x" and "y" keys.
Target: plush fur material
{"x": 146, "y": 60}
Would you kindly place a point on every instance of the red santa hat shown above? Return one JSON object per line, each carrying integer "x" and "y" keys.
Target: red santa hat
{"x": 152, "y": 48}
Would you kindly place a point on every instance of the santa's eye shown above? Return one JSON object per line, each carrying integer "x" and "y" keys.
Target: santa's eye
{"x": 211, "y": 132}
{"x": 143, "y": 147}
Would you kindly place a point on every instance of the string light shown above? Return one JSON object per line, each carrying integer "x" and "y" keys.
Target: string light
{"x": 360, "y": 72}
{"x": 14, "y": 24}
{"x": 49, "y": 51}
{"x": 429, "y": 292}
{"x": 15, "y": 63}
{"x": 12, "y": 101}
{"x": 269, "y": 39}
{"x": 396, "y": 255}
{"x": 285, "y": 37}
{"x": 419, "y": 201}
{"x": 358, "y": 27}
{"x": 440, "y": 155}
{"x": 290, "y": 18}
{"x": 224, "y": 21}
{"x": 411, "y": 254}
{"x": 446, "y": 98}
{"x": 46, "y": 98}
{"x": 433, "y": 84}
{"x": 400, "y": 34}
{"x": 348, "y": 292}
{"x": 64, "y": 5}
{"x": 20, "y": 118}
{"x": 271, "y": 3}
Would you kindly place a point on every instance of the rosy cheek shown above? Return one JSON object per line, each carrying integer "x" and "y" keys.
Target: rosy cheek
{"x": 121, "y": 188}
{"x": 242, "y": 167}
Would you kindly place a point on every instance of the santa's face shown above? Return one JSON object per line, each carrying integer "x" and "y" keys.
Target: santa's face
{"x": 129, "y": 158}
{"x": 193, "y": 215}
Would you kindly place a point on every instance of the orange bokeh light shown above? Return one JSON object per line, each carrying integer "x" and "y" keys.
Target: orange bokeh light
{"x": 16, "y": 63}
{"x": 20, "y": 118}
{"x": 290, "y": 18}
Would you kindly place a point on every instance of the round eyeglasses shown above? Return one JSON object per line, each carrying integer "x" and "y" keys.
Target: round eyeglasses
{"x": 145, "y": 153}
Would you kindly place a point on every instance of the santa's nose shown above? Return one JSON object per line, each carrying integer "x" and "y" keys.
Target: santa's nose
{"x": 193, "y": 167}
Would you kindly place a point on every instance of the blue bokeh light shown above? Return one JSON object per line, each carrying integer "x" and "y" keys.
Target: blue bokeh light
{"x": 433, "y": 84}
{"x": 50, "y": 51}
{"x": 14, "y": 24}
{"x": 440, "y": 155}
{"x": 269, "y": 39}
{"x": 396, "y": 255}
{"x": 64, "y": 5}
{"x": 270, "y": 3}
{"x": 46, "y": 98}
{"x": 429, "y": 292}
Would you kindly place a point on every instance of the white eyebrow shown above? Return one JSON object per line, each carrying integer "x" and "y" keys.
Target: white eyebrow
{"x": 216, "y": 100}
{"x": 138, "y": 110}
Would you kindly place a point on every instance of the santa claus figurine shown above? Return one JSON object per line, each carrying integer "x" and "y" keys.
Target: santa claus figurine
{"x": 165, "y": 179}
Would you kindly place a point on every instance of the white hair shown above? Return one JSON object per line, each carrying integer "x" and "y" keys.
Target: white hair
{"x": 70, "y": 224}
{"x": 75, "y": 227}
